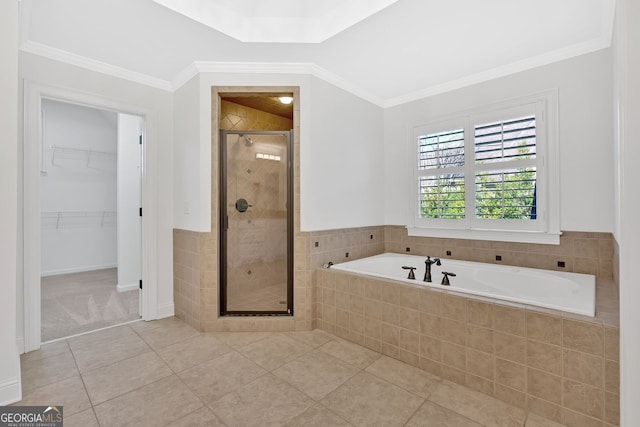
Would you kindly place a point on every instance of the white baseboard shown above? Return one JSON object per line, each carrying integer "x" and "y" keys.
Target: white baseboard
{"x": 126, "y": 288}
{"x": 165, "y": 310}
{"x": 76, "y": 270}
{"x": 10, "y": 391}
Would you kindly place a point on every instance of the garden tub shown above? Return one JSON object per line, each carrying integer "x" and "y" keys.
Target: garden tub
{"x": 557, "y": 290}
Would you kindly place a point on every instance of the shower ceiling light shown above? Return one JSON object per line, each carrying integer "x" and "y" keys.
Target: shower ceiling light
{"x": 286, "y": 100}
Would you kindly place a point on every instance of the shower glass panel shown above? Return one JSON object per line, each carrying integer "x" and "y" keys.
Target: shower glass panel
{"x": 256, "y": 223}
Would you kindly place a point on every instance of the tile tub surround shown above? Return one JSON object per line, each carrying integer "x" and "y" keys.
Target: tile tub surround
{"x": 563, "y": 367}
{"x": 581, "y": 252}
{"x": 345, "y": 244}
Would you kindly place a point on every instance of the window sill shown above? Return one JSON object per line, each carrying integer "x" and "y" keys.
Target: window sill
{"x": 538, "y": 237}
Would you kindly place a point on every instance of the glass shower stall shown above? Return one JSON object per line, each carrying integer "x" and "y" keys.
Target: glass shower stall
{"x": 256, "y": 223}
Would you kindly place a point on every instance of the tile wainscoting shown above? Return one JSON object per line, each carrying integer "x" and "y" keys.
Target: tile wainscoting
{"x": 562, "y": 367}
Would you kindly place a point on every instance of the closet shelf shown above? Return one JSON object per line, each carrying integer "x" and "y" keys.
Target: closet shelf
{"x": 77, "y": 218}
{"x": 61, "y": 150}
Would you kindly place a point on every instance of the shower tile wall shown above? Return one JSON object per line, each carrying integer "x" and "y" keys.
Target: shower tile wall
{"x": 257, "y": 238}
{"x": 238, "y": 117}
{"x": 257, "y": 245}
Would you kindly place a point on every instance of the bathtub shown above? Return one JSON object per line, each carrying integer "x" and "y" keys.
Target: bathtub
{"x": 569, "y": 292}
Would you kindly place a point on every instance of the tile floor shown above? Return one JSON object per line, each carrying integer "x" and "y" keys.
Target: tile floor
{"x": 82, "y": 302}
{"x": 167, "y": 373}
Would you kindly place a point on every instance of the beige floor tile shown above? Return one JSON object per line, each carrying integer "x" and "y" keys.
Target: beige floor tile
{"x": 534, "y": 420}
{"x": 368, "y": 400}
{"x": 203, "y": 417}
{"x": 316, "y": 373}
{"x": 167, "y": 333}
{"x": 313, "y": 338}
{"x": 191, "y": 352}
{"x": 110, "y": 381}
{"x": 46, "y": 350}
{"x": 142, "y": 325}
{"x": 432, "y": 415}
{"x": 317, "y": 416}
{"x": 155, "y": 404}
{"x": 85, "y": 418}
{"x": 69, "y": 393}
{"x": 106, "y": 347}
{"x": 408, "y": 377}
{"x": 477, "y": 406}
{"x": 213, "y": 379}
{"x": 240, "y": 339}
{"x": 274, "y": 351}
{"x": 268, "y": 401}
{"x": 40, "y": 372}
{"x": 351, "y": 353}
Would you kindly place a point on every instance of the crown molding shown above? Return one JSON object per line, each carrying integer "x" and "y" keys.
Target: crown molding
{"x": 274, "y": 68}
{"x": 184, "y": 76}
{"x": 93, "y": 65}
{"x": 494, "y": 73}
{"x": 307, "y": 68}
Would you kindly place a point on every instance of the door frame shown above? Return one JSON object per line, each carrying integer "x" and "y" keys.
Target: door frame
{"x": 34, "y": 93}
{"x": 224, "y": 222}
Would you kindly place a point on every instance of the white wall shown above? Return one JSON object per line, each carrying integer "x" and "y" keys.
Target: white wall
{"x": 129, "y": 196}
{"x": 156, "y": 105}
{"x": 190, "y": 213}
{"x": 79, "y": 188}
{"x": 10, "y": 389}
{"x": 340, "y": 152}
{"x": 585, "y": 125}
{"x": 345, "y": 175}
{"x": 627, "y": 96}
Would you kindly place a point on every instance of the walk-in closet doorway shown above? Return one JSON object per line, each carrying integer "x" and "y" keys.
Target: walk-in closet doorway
{"x": 90, "y": 219}
{"x": 85, "y": 242}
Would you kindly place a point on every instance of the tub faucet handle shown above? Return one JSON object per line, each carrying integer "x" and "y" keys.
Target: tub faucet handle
{"x": 445, "y": 279}
{"x": 412, "y": 275}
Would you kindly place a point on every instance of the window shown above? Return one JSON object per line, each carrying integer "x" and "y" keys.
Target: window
{"x": 488, "y": 174}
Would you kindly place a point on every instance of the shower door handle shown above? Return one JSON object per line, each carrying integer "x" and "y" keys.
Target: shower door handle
{"x": 242, "y": 205}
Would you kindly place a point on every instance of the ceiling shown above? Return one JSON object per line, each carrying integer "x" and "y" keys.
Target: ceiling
{"x": 262, "y": 102}
{"x": 282, "y": 21}
{"x": 407, "y": 50}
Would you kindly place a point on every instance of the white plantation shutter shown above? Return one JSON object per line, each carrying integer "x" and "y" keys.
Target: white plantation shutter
{"x": 485, "y": 171}
{"x": 441, "y": 174}
{"x": 505, "y": 176}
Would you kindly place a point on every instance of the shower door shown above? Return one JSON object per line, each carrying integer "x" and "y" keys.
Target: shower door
{"x": 256, "y": 219}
